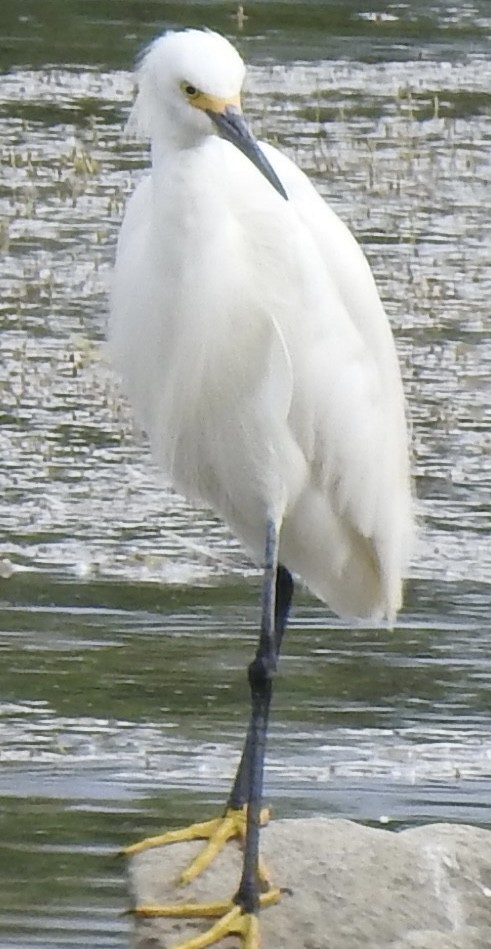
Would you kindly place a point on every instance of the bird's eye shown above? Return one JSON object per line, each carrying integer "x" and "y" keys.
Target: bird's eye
{"x": 191, "y": 91}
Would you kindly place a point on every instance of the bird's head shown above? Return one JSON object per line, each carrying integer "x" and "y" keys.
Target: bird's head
{"x": 189, "y": 87}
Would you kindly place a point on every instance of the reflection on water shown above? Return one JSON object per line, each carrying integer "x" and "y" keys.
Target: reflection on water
{"x": 125, "y": 619}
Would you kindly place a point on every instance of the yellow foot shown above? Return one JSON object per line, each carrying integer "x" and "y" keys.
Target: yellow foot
{"x": 233, "y": 921}
{"x": 217, "y": 832}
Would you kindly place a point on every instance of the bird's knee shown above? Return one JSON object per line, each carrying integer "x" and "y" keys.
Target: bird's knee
{"x": 260, "y": 671}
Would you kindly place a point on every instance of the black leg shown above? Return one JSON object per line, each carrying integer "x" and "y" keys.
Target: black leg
{"x": 283, "y": 597}
{"x": 260, "y": 681}
{"x": 260, "y": 673}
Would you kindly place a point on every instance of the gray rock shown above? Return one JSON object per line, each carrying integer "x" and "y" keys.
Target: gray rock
{"x": 352, "y": 887}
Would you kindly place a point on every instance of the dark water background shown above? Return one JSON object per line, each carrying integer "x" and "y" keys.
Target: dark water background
{"x": 126, "y": 618}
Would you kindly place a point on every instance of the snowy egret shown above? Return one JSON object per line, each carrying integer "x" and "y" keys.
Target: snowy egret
{"x": 255, "y": 351}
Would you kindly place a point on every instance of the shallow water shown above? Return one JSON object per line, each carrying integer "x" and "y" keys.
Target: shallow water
{"x": 126, "y": 618}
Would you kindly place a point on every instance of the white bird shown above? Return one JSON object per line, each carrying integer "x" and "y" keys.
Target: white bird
{"x": 255, "y": 351}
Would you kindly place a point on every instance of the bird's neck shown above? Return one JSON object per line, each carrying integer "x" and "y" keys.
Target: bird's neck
{"x": 188, "y": 181}
{"x": 173, "y": 139}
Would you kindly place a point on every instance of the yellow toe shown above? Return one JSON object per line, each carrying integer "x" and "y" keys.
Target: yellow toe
{"x": 230, "y": 924}
{"x": 232, "y": 920}
{"x": 231, "y": 826}
{"x": 194, "y": 910}
{"x": 216, "y": 832}
{"x": 225, "y": 828}
{"x": 194, "y": 832}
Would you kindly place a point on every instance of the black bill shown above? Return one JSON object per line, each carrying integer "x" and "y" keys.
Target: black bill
{"x": 232, "y": 126}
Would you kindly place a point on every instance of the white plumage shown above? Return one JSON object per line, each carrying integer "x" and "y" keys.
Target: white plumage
{"x": 253, "y": 345}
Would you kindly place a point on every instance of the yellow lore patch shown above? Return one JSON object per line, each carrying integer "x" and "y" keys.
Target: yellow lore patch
{"x": 201, "y": 100}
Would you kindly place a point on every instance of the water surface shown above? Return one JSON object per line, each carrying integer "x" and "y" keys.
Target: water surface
{"x": 127, "y": 618}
